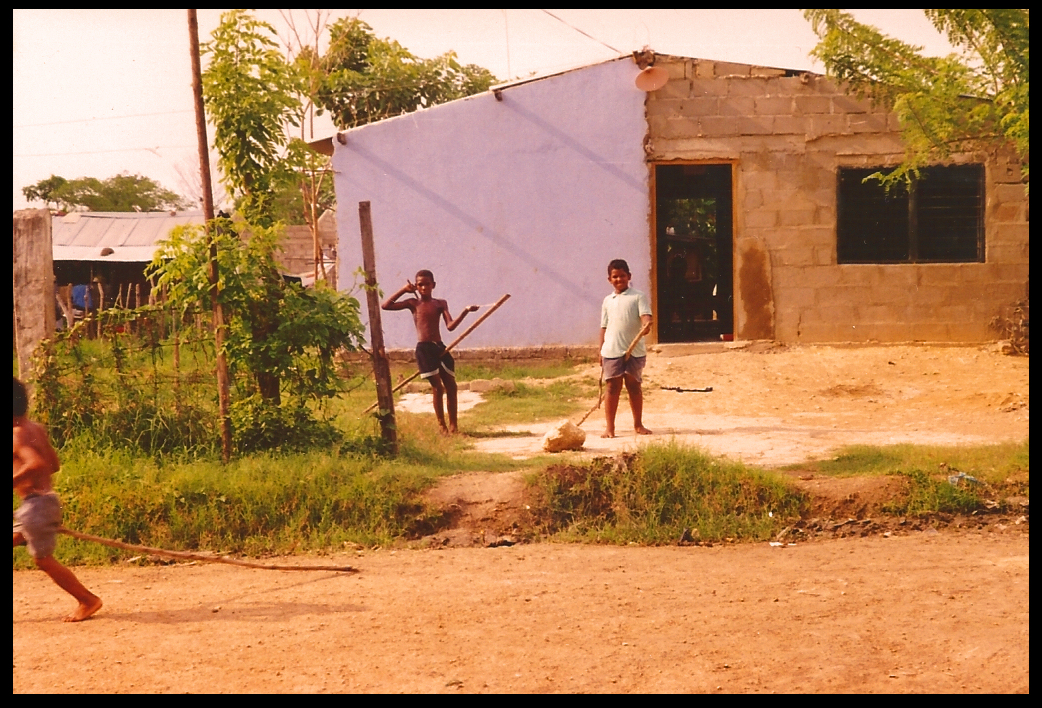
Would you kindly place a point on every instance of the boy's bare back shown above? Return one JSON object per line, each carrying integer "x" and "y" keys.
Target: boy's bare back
{"x": 35, "y": 460}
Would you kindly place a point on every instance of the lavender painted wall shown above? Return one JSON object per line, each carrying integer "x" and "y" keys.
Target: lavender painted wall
{"x": 531, "y": 196}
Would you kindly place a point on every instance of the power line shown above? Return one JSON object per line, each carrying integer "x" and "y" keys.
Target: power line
{"x": 91, "y": 120}
{"x": 99, "y": 152}
{"x": 617, "y": 51}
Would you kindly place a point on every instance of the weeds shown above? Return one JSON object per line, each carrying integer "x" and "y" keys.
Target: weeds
{"x": 928, "y": 495}
{"x": 657, "y": 494}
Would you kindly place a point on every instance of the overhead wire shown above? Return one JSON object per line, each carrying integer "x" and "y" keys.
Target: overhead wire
{"x": 585, "y": 34}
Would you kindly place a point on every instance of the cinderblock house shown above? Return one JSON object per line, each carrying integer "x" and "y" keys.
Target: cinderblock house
{"x": 736, "y": 193}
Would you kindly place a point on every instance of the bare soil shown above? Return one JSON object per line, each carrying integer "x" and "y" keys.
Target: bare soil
{"x": 846, "y": 601}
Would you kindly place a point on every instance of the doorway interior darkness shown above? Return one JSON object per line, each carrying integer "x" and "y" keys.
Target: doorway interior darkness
{"x": 694, "y": 252}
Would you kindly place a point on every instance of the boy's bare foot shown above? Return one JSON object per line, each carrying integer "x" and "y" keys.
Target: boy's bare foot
{"x": 641, "y": 430}
{"x": 608, "y": 434}
{"x": 84, "y": 610}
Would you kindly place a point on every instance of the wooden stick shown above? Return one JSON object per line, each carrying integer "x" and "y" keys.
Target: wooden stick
{"x": 198, "y": 556}
{"x": 625, "y": 357}
{"x": 448, "y": 349}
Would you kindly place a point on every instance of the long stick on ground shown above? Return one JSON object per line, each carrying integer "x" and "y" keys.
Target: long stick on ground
{"x": 199, "y": 556}
{"x": 625, "y": 357}
{"x": 448, "y": 349}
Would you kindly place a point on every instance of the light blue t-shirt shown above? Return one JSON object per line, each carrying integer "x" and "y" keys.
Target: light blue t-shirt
{"x": 620, "y": 318}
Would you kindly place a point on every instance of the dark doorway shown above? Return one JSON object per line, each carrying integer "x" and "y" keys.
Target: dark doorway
{"x": 694, "y": 252}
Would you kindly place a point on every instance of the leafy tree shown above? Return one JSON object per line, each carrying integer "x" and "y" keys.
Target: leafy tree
{"x": 368, "y": 79}
{"x": 973, "y": 101}
{"x": 46, "y": 190}
{"x": 249, "y": 92}
{"x": 119, "y": 193}
{"x": 280, "y": 334}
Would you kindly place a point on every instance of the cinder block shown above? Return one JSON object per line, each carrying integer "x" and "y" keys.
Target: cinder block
{"x": 747, "y": 87}
{"x": 736, "y": 106}
{"x": 821, "y": 125}
{"x": 675, "y": 88}
{"x": 796, "y": 217}
{"x": 754, "y": 125}
{"x": 790, "y": 125}
{"x": 759, "y": 179}
{"x": 808, "y": 105}
{"x": 767, "y": 71}
{"x": 701, "y": 86}
{"x": 869, "y": 123}
{"x": 761, "y": 218}
{"x": 1008, "y": 233}
{"x": 793, "y": 298}
{"x": 675, "y": 69}
{"x": 825, "y": 255}
{"x": 1007, "y": 253}
{"x": 773, "y": 105}
{"x": 722, "y": 69}
{"x": 792, "y": 256}
{"x": 717, "y": 126}
{"x": 1007, "y": 212}
{"x": 850, "y": 104}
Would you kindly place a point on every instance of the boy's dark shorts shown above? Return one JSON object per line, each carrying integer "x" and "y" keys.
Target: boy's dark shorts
{"x": 634, "y": 366}
{"x": 37, "y": 519}
{"x": 431, "y": 359}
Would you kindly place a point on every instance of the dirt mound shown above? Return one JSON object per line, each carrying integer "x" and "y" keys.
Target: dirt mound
{"x": 480, "y": 509}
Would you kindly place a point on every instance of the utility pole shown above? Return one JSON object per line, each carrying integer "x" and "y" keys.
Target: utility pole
{"x": 381, "y": 366}
{"x": 223, "y": 392}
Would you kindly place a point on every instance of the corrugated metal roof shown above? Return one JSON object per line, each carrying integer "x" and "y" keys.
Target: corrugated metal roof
{"x": 127, "y": 237}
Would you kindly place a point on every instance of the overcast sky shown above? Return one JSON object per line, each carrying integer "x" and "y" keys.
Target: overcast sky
{"x": 102, "y": 92}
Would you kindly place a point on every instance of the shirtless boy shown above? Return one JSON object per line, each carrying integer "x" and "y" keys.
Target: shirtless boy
{"x": 39, "y": 515}
{"x": 625, "y": 314}
{"x": 434, "y": 363}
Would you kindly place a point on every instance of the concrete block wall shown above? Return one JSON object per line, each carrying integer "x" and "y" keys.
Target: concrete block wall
{"x": 787, "y": 135}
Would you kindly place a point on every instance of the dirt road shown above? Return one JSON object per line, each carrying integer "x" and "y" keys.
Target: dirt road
{"x": 928, "y": 612}
{"x": 922, "y": 611}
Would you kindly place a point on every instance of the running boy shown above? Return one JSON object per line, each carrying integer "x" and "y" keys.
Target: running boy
{"x": 435, "y": 364}
{"x": 39, "y": 515}
{"x": 625, "y": 314}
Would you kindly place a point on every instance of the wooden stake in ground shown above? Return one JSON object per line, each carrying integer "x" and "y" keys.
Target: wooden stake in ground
{"x": 381, "y": 366}
{"x": 184, "y": 555}
{"x": 457, "y": 340}
{"x": 625, "y": 357}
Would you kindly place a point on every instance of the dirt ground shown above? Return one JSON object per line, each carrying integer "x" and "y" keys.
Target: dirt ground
{"x": 916, "y": 607}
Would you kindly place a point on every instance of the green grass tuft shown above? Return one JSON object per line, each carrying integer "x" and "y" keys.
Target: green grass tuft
{"x": 655, "y": 494}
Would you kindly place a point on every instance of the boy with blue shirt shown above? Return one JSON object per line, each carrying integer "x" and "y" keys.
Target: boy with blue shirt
{"x": 625, "y": 314}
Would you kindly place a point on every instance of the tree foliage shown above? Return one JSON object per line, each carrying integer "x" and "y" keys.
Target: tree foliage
{"x": 248, "y": 90}
{"x": 367, "y": 78}
{"x": 119, "y": 193}
{"x": 972, "y": 101}
{"x": 279, "y": 334}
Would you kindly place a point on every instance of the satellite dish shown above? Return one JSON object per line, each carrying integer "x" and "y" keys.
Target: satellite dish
{"x": 652, "y": 79}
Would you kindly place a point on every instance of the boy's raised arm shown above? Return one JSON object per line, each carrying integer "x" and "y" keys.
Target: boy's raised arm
{"x": 392, "y": 303}
{"x": 451, "y": 324}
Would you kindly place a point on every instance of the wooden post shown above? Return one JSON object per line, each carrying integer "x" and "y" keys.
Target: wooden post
{"x": 33, "y": 280}
{"x": 223, "y": 386}
{"x": 381, "y": 365}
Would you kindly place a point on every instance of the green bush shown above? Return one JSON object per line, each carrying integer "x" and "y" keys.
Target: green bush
{"x": 656, "y": 494}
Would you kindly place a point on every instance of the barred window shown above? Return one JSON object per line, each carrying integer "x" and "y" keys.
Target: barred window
{"x": 939, "y": 218}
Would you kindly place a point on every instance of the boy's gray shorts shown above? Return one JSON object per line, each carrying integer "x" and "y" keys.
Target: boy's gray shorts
{"x": 37, "y": 519}
{"x": 634, "y": 366}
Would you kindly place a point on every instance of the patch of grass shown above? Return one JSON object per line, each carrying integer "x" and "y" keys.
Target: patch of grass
{"x": 513, "y": 370}
{"x": 262, "y": 504}
{"x": 531, "y": 403}
{"x": 929, "y": 495}
{"x": 993, "y": 464}
{"x": 652, "y": 496}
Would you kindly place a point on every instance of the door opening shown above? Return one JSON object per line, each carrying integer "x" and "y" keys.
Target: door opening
{"x": 694, "y": 252}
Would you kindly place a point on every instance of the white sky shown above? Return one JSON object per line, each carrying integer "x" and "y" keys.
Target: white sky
{"x": 102, "y": 92}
